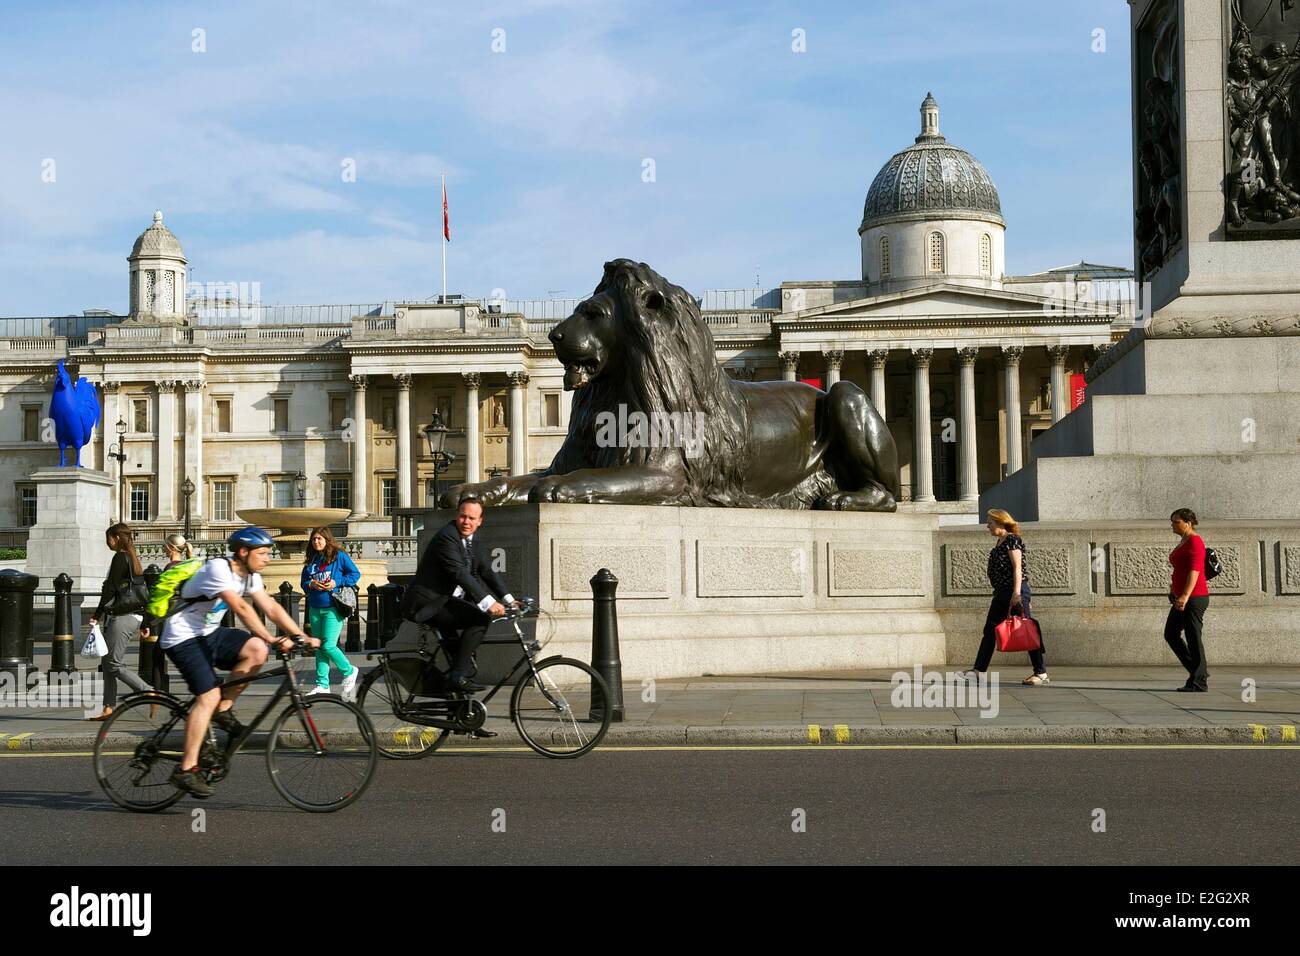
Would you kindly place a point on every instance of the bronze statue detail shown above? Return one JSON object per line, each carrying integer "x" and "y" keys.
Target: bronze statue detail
{"x": 638, "y": 351}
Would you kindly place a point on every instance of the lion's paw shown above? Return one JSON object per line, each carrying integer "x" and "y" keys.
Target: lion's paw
{"x": 560, "y": 490}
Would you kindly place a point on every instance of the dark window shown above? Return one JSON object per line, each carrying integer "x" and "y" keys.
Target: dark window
{"x": 31, "y": 424}
{"x": 223, "y": 415}
{"x": 140, "y": 415}
{"x": 139, "y": 501}
{"x": 388, "y": 414}
{"x": 340, "y": 493}
{"x": 282, "y": 414}
{"x": 26, "y": 505}
{"x": 387, "y": 495}
{"x": 222, "y": 495}
{"x": 552, "y": 410}
{"x": 338, "y": 412}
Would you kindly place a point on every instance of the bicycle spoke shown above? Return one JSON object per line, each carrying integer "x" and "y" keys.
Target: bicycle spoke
{"x": 553, "y": 708}
{"x": 323, "y": 756}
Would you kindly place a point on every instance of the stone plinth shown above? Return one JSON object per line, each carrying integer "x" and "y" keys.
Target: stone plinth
{"x": 725, "y": 590}
{"x": 73, "y": 510}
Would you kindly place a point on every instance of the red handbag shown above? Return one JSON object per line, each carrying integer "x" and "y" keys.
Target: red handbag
{"x": 1019, "y": 633}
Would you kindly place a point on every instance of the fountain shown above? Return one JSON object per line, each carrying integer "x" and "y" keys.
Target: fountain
{"x": 290, "y": 527}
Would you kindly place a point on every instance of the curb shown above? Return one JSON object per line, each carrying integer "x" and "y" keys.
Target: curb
{"x": 813, "y": 735}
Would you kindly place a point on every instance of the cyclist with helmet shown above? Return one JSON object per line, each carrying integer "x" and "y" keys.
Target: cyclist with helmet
{"x": 197, "y": 644}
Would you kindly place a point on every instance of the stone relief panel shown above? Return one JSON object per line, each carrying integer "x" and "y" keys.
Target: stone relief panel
{"x": 966, "y": 571}
{"x": 642, "y": 570}
{"x": 868, "y": 572}
{"x": 1289, "y": 569}
{"x": 1145, "y": 569}
{"x": 751, "y": 570}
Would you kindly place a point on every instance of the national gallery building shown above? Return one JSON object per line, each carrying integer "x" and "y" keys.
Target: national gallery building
{"x": 245, "y": 405}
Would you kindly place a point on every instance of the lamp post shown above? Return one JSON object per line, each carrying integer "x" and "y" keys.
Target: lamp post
{"x": 495, "y": 472}
{"x": 436, "y": 434}
{"x": 300, "y": 488}
{"x": 117, "y": 451}
{"x": 187, "y": 489}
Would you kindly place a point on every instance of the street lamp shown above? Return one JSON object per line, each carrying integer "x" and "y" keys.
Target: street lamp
{"x": 187, "y": 489}
{"x": 300, "y": 486}
{"x": 495, "y": 472}
{"x": 117, "y": 450}
{"x": 436, "y": 434}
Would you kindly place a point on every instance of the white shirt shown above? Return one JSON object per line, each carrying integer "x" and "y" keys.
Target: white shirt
{"x": 489, "y": 600}
{"x": 204, "y": 617}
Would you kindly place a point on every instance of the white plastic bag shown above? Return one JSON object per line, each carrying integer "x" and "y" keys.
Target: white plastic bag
{"x": 95, "y": 645}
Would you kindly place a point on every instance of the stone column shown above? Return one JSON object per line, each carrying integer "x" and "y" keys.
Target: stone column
{"x": 194, "y": 444}
{"x": 1011, "y": 390}
{"x": 970, "y": 473}
{"x": 518, "y": 422}
{"x": 878, "y": 358}
{"x": 1060, "y": 393}
{"x": 472, "y": 467}
{"x": 404, "y": 473}
{"x": 923, "y": 478}
{"x": 165, "y": 430}
{"x": 789, "y": 365}
{"x": 360, "y": 470}
{"x": 834, "y": 359}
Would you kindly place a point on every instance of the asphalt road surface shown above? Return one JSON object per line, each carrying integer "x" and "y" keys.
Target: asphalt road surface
{"x": 966, "y": 805}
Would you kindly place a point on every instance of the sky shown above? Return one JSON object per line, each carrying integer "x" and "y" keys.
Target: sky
{"x": 727, "y": 144}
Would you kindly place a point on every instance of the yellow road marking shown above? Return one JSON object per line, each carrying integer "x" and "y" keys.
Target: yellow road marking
{"x": 1260, "y": 731}
{"x": 841, "y": 733}
{"x": 16, "y": 741}
{"x": 814, "y": 733}
{"x": 1288, "y": 732}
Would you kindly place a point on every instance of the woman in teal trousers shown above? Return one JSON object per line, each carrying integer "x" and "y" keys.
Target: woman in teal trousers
{"x": 325, "y": 569}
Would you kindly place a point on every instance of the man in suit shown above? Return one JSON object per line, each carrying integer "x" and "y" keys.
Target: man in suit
{"x": 456, "y": 589}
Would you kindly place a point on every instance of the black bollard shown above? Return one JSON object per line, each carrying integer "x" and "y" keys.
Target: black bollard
{"x": 353, "y": 642}
{"x": 62, "y": 651}
{"x": 604, "y": 641}
{"x": 288, "y": 599}
{"x": 17, "y": 594}
{"x": 148, "y": 645}
{"x": 372, "y": 618}
{"x": 390, "y": 599}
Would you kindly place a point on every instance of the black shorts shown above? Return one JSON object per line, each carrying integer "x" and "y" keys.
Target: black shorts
{"x": 198, "y": 658}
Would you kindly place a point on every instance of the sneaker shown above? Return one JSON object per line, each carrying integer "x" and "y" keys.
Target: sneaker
{"x": 318, "y": 690}
{"x": 350, "y": 685}
{"x": 227, "y": 721}
{"x": 1035, "y": 679}
{"x": 192, "y": 782}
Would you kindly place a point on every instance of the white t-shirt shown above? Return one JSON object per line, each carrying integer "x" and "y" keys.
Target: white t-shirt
{"x": 204, "y": 617}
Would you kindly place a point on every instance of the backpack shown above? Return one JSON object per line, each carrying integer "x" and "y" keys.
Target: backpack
{"x": 165, "y": 596}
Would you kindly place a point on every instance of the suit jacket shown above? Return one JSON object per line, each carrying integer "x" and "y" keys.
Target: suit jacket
{"x": 443, "y": 567}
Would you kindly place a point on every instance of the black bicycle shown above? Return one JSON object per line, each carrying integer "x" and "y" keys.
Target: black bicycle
{"x": 560, "y": 706}
{"x": 321, "y": 752}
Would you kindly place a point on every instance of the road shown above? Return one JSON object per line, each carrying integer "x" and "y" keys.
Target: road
{"x": 967, "y": 805}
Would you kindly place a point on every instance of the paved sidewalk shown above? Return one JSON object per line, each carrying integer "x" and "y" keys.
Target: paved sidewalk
{"x": 1136, "y": 704}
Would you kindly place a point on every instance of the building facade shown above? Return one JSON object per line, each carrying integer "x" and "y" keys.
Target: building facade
{"x": 238, "y": 400}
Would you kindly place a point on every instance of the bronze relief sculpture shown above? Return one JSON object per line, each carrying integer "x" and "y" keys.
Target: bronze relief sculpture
{"x": 656, "y": 420}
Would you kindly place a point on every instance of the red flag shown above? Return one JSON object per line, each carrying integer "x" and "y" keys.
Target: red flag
{"x": 446, "y": 223}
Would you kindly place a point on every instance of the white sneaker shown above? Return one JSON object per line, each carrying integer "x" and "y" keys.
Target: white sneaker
{"x": 316, "y": 690}
{"x": 350, "y": 685}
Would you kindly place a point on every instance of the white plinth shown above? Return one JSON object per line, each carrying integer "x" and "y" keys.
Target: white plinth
{"x": 73, "y": 510}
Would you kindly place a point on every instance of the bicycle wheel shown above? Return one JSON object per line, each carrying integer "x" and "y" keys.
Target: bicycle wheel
{"x": 563, "y": 710}
{"x": 396, "y": 737}
{"x": 322, "y": 758}
{"x": 136, "y": 751}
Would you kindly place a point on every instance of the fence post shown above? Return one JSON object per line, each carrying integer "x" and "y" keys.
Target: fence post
{"x": 352, "y": 644}
{"x": 288, "y": 599}
{"x": 390, "y": 599}
{"x": 372, "y": 618}
{"x": 604, "y": 641}
{"x": 62, "y": 651}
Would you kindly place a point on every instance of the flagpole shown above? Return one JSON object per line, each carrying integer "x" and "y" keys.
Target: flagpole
{"x": 444, "y": 240}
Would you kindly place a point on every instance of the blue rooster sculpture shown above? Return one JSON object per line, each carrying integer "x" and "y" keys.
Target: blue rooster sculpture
{"x": 75, "y": 410}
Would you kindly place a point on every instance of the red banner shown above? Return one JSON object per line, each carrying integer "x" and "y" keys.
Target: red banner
{"x": 814, "y": 382}
{"x": 1078, "y": 389}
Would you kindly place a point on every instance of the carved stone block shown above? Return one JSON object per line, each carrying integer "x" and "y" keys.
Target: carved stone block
{"x": 1289, "y": 571}
{"x": 642, "y": 570}
{"x": 757, "y": 570}
{"x": 966, "y": 571}
{"x": 1145, "y": 569}
{"x": 874, "y": 572}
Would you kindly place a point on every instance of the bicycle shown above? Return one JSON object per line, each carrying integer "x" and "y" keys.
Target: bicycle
{"x": 332, "y": 740}
{"x": 560, "y": 706}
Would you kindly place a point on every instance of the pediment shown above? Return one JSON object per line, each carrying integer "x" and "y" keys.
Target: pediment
{"x": 940, "y": 301}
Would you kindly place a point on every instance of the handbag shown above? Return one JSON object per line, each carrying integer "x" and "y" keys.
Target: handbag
{"x": 95, "y": 645}
{"x": 1213, "y": 566}
{"x": 131, "y": 598}
{"x": 344, "y": 599}
{"x": 1019, "y": 633}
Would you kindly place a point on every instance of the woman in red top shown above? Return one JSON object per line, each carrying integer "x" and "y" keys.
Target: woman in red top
{"x": 1189, "y": 596}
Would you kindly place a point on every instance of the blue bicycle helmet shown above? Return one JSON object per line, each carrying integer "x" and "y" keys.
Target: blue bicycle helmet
{"x": 250, "y": 537}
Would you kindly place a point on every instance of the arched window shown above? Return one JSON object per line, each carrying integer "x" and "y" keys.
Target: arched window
{"x": 936, "y": 252}
{"x": 884, "y": 257}
{"x": 986, "y": 255}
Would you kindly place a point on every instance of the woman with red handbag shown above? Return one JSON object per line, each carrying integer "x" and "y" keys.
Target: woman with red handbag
{"x": 1189, "y": 596}
{"x": 1009, "y": 575}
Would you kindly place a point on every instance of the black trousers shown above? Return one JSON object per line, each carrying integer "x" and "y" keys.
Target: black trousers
{"x": 1190, "y": 652}
{"x": 998, "y": 611}
{"x": 461, "y": 617}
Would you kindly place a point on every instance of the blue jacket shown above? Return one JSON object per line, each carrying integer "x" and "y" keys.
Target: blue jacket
{"x": 342, "y": 570}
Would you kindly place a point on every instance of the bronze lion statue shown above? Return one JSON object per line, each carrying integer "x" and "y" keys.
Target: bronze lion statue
{"x": 655, "y": 420}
